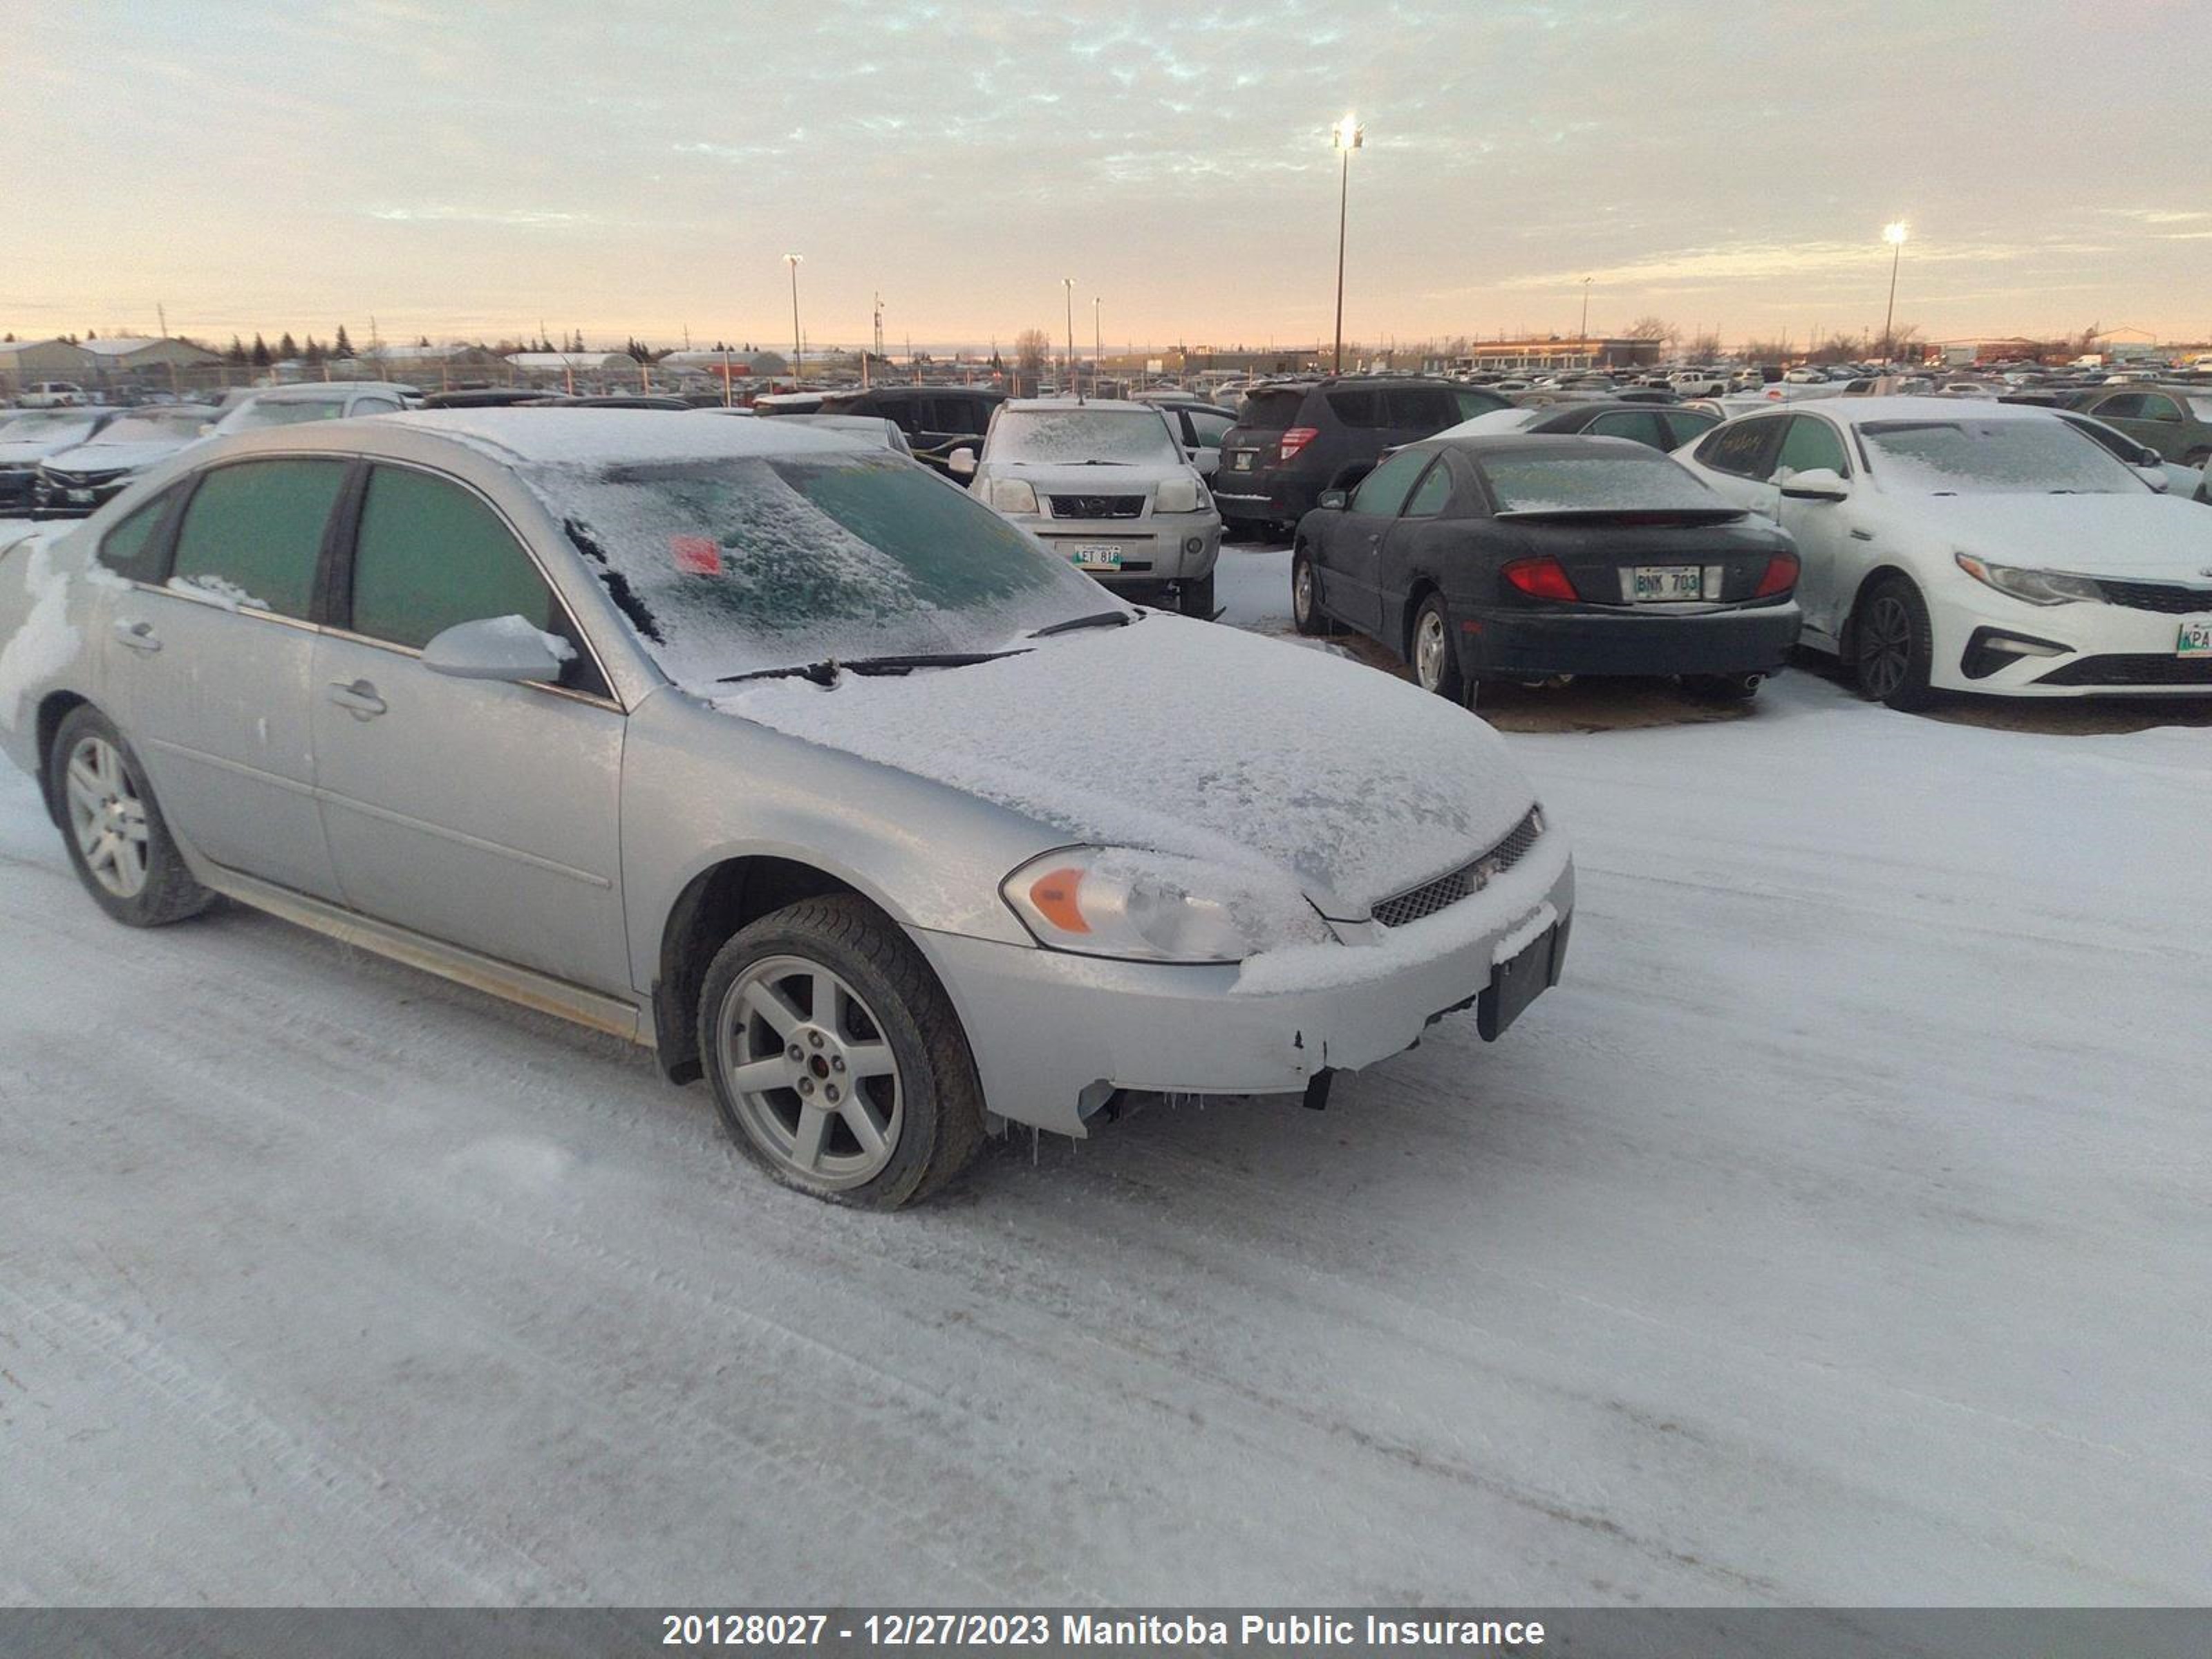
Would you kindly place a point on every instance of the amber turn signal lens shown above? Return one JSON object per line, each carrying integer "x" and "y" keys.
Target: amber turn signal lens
{"x": 1054, "y": 894}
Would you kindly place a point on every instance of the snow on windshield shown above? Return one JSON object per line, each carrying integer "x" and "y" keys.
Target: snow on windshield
{"x": 150, "y": 428}
{"x": 282, "y": 411}
{"x": 730, "y": 565}
{"x": 45, "y": 429}
{"x": 1967, "y": 457}
{"x": 1600, "y": 482}
{"x": 1071, "y": 436}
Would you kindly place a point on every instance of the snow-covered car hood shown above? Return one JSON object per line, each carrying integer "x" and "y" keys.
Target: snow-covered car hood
{"x": 33, "y": 449}
{"x": 1243, "y": 750}
{"x": 115, "y": 457}
{"x": 2147, "y": 535}
{"x": 1054, "y": 479}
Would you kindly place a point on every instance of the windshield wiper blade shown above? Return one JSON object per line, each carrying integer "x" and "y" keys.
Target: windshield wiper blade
{"x": 825, "y": 671}
{"x": 1095, "y": 619}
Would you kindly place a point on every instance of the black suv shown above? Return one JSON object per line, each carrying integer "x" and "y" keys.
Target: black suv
{"x": 936, "y": 419}
{"x": 1292, "y": 439}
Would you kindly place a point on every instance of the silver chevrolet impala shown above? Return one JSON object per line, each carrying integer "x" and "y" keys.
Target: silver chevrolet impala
{"x": 775, "y": 753}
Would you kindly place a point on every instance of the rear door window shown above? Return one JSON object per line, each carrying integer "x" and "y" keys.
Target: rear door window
{"x": 1206, "y": 428}
{"x": 1384, "y": 489}
{"x": 1272, "y": 411}
{"x": 1685, "y": 424}
{"x": 1420, "y": 408}
{"x": 1362, "y": 409}
{"x": 1639, "y": 425}
{"x": 969, "y": 416}
{"x": 253, "y": 533}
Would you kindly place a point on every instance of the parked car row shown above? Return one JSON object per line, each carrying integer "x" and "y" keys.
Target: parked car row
{"x": 1932, "y": 545}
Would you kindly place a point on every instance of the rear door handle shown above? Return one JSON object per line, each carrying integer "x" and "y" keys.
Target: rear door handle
{"x": 138, "y": 636}
{"x": 357, "y": 697}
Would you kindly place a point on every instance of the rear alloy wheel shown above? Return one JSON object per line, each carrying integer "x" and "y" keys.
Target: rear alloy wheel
{"x": 836, "y": 1060}
{"x": 1435, "y": 668}
{"x": 1893, "y": 646}
{"x": 118, "y": 840}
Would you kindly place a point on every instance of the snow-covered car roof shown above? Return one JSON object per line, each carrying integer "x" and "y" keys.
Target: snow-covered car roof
{"x": 1857, "y": 411}
{"x": 584, "y": 437}
{"x": 1062, "y": 405}
{"x": 317, "y": 391}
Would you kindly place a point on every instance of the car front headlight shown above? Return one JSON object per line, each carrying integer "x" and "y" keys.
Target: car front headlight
{"x": 1010, "y": 495}
{"x": 1158, "y": 906}
{"x": 2033, "y": 586}
{"x": 1180, "y": 495}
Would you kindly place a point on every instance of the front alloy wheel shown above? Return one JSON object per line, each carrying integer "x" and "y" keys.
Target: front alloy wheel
{"x": 1894, "y": 646}
{"x": 837, "y": 1061}
{"x": 808, "y": 1070}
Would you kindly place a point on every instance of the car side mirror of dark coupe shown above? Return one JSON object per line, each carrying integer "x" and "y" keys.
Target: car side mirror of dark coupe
{"x": 498, "y": 648}
{"x": 1335, "y": 500}
{"x": 1817, "y": 483}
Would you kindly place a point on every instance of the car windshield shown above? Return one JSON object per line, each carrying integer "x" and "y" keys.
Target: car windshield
{"x": 152, "y": 428}
{"x": 2200, "y": 408}
{"x": 728, "y": 567}
{"x": 47, "y": 429}
{"x": 1592, "y": 483}
{"x": 1125, "y": 437}
{"x": 1991, "y": 458}
{"x": 282, "y": 411}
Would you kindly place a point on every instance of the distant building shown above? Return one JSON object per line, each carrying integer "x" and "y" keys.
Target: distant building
{"x": 553, "y": 364}
{"x": 25, "y": 363}
{"x": 1553, "y": 352}
{"x": 133, "y": 353}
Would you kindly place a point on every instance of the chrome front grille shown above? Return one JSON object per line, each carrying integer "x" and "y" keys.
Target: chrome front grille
{"x": 1095, "y": 506}
{"x": 1472, "y": 878}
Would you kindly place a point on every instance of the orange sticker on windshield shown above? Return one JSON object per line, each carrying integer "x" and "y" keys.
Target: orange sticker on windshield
{"x": 696, "y": 556}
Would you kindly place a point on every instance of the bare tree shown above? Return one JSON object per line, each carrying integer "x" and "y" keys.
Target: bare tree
{"x": 1032, "y": 350}
{"x": 1652, "y": 328}
{"x": 1703, "y": 347}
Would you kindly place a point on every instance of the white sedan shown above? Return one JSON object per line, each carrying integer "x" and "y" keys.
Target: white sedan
{"x": 1985, "y": 547}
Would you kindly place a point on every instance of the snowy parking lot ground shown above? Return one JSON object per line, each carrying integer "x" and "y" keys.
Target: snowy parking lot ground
{"x": 1836, "y": 1232}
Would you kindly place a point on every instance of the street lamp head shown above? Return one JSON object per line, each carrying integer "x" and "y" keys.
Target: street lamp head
{"x": 793, "y": 258}
{"x": 1347, "y": 133}
{"x": 1894, "y": 233}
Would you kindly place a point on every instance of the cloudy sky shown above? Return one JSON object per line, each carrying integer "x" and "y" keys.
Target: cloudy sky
{"x": 633, "y": 167}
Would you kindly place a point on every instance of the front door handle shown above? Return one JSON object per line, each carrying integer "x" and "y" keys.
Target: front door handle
{"x": 138, "y": 636}
{"x": 357, "y": 697}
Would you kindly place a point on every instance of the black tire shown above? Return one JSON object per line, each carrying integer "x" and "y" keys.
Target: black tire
{"x": 1893, "y": 645}
{"x": 1305, "y": 598}
{"x": 167, "y": 892}
{"x": 1195, "y": 598}
{"x": 2197, "y": 457}
{"x": 1429, "y": 651}
{"x": 939, "y": 1116}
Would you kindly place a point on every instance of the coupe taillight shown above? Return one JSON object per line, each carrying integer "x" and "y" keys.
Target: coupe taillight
{"x": 1541, "y": 579}
{"x": 1297, "y": 438}
{"x": 1781, "y": 576}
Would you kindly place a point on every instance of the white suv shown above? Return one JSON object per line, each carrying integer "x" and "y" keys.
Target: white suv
{"x": 1107, "y": 486}
{"x": 53, "y": 394}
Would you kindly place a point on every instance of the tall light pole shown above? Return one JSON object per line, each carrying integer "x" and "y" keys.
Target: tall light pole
{"x": 1068, "y": 283}
{"x": 1894, "y": 235}
{"x": 1097, "y": 343}
{"x": 798, "y": 349}
{"x": 1585, "y": 335}
{"x": 1345, "y": 137}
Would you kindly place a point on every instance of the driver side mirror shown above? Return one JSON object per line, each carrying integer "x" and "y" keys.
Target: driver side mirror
{"x": 960, "y": 463}
{"x": 497, "y": 648}
{"x": 2154, "y": 475}
{"x": 1816, "y": 484}
{"x": 1335, "y": 500}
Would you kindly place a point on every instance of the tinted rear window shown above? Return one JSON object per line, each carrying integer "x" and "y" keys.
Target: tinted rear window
{"x": 1270, "y": 412}
{"x": 1423, "y": 409}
